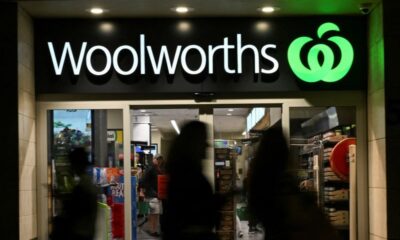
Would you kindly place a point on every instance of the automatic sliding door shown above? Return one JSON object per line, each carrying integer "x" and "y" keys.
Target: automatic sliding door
{"x": 236, "y": 135}
{"x": 152, "y": 133}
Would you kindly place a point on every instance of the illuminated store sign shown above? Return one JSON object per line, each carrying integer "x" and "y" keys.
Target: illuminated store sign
{"x": 167, "y": 56}
{"x": 324, "y": 71}
{"x": 222, "y": 56}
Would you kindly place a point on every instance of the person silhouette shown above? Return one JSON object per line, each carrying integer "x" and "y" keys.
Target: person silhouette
{"x": 150, "y": 184}
{"x": 191, "y": 206}
{"x": 79, "y": 208}
{"x": 275, "y": 200}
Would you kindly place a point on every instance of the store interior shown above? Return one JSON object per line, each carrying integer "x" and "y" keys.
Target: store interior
{"x": 315, "y": 134}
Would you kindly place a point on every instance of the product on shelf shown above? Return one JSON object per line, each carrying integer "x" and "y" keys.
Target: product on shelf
{"x": 224, "y": 180}
{"x": 112, "y": 180}
{"x": 103, "y": 228}
{"x": 333, "y": 194}
{"x": 329, "y": 175}
{"x": 339, "y": 218}
{"x": 324, "y": 163}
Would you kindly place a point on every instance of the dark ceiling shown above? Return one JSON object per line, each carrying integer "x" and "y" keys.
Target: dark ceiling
{"x": 201, "y": 8}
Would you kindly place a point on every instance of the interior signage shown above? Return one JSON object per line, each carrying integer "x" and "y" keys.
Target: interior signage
{"x": 200, "y": 55}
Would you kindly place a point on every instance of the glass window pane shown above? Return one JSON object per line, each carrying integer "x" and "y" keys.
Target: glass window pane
{"x": 100, "y": 133}
{"x": 152, "y": 133}
{"x": 322, "y": 144}
{"x": 236, "y": 139}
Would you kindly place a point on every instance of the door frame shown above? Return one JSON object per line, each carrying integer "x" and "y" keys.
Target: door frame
{"x": 359, "y": 215}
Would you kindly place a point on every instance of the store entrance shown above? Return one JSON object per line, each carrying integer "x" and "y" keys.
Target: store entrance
{"x": 123, "y": 141}
{"x": 234, "y": 135}
{"x": 237, "y": 132}
{"x": 152, "y": 133}
{"x": 234, "y": 132}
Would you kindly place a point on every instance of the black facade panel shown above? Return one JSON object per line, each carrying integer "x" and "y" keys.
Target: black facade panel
{"x": 9, "y": 224}
{"x": 391, "y": 38}
{"x": 203, "y": 32}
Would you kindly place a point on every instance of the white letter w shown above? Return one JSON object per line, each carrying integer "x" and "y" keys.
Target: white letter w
{"x": 58, "y": 67}
{"x": 164, "y": 54}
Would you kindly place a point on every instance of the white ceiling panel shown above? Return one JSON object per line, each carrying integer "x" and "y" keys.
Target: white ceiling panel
{"x": 161, "y": 118}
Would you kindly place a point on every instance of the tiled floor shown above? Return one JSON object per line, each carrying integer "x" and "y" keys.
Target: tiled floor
{"x": 142, "y": 235}
{"x": 259, "y": 235}
{"x": 142, "y": 232}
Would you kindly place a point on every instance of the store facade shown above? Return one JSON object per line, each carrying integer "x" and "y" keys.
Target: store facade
{"x": 124, "y": 64}
{"x": 199, "y": 66}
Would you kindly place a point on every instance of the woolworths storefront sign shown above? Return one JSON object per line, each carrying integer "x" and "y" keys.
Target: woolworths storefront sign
{"x": 168, "y": 56}
{"x": 163, "y": 60}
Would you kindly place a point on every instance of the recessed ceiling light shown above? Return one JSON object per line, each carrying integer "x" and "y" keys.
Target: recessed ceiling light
{"x": 96, "y": 11}
{"x": 262, "y": 26}
{"x": 184, "y": 26}
{"x": 106, "y": 27}
{"x": 229, "y": 114}
{"x": 182, "y": 9}
{"x": 268, "y": 9}
{"x": 143, "y": 110}
{"x": 231, "y": 110}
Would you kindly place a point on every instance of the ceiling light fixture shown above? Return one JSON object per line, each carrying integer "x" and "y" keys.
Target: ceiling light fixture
{"x": 184, "y": 26}
{"x": 96, "y": 11}
{"x": 106, "y": 27}
{"x": 173, "y": 122}
{"x": 244, "y": 133}
{"x": 143, "y": 110}
{"x": 229, "y": 114}
{"x": 268, "y": 9}
{"x": 231, "y": 110}
{"x": 182, "y": 9}
{"x": 262, "y": 26}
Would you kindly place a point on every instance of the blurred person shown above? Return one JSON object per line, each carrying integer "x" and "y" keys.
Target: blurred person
{"x": 275, "y": 200}
{"x": 150, "y": 185}
{"x": 252, "y": 223}
{"x": 142, "y": 204}
{"x": 78, "y": 217}
{"x": 191, "y": 206}
{"x": 162, "y": 186}
{"x": 161, "y": 163}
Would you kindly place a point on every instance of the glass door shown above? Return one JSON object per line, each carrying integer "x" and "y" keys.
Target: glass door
{"x": 237, "y": 131}
{"x": 152, "y": 133}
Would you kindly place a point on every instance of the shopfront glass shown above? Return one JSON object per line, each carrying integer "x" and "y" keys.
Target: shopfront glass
{"x": 237, "y": 132}
{"x": 100, "y": 134}
{"x": 323, "y": 150}
{"x": 152, "y": 133}
{"x": 322, "y": 144}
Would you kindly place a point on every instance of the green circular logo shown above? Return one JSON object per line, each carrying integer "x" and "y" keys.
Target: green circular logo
{"x": 324, "y": 71}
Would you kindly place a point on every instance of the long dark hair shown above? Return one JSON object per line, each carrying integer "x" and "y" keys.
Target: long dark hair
{"x": 267, "y": 172}
{"x": 188, "y": 148}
